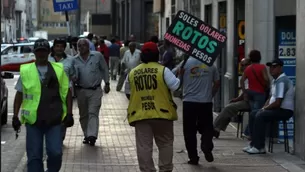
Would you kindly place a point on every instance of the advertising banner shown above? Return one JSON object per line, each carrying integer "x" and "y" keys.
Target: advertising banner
{"x": 195, "y": 37}
{"x": 287, "y": 52}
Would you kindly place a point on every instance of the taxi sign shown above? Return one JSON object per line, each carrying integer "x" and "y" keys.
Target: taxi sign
{"x": 65, "y": 5}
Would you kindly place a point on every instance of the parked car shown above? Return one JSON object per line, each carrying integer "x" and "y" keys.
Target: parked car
{"x": 14, "y": 55}
{"x": 4, "y": 96}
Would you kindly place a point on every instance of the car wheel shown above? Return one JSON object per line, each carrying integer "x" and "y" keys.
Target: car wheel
{"x": 4, "y": 116}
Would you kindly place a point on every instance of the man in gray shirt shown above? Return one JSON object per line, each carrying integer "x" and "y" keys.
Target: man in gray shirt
{"x": 91, "y": 68}
{"x": 200, "y": 84}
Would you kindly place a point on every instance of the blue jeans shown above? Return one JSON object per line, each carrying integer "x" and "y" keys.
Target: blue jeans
{"x": 259, "y": 121}
{"x": 256, "y": 99}
{"x": 34, "y": 147}
{"x": 63, "y": 131}
{"x": 256, "y": 102}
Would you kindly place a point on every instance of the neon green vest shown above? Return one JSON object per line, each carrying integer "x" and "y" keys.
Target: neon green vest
{"x": 31, "y": 88}
{"x": 150, "y": 97}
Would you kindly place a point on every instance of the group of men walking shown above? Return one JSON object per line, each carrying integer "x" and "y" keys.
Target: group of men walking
{"x": 44, "y": 98}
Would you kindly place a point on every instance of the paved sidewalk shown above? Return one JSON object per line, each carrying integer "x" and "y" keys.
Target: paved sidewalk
{"x": 115, "y": 149}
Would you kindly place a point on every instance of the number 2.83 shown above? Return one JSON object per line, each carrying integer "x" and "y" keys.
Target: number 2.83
{"x": 286, "y": 51}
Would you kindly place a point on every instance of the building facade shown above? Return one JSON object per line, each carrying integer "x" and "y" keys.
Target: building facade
{"x": 96, "y": 16}
{"x": 135, "y": 17}
{"x": 15, "y": 19}
{"x": 274, "y": 27}
{"x": 48, "y": 20}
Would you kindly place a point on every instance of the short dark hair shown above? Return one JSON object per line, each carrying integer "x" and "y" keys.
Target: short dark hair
{"x": 154, "y": 39}
{"x": 74, "y": 39}
{"x": 90, "y": 36}
{"x": 149, "y": 57}
{"x": 126, "y": 43}
{"x": 255, "y": 56}
{"x": 113, "y": 40}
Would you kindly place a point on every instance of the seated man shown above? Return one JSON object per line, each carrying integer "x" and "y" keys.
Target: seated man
{"x": 232, "y": 109}
{"x": 278, "y": 107}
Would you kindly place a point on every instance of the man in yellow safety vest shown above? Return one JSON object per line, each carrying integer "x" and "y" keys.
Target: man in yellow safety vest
{"x": 152, "y": 110}
{"x": 43, "y": 97}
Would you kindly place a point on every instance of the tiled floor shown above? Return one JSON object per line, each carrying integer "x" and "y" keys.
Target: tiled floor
{"x": 115, "y": 150}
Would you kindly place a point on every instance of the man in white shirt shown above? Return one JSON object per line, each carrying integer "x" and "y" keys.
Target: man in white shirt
{"x": 131, "y": 59}
{"x": 279, "y": 106}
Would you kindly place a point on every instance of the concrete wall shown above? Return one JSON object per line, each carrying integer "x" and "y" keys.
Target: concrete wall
{"x": 289, "y": 9}
{"x": 34, "y": 14}
{"x": 94, "y": 7}
{"x": 300, "y": 82}
{"x": 9, "y": 25}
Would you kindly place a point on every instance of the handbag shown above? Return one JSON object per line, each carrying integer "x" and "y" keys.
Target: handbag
{"x": 267, "y": 90}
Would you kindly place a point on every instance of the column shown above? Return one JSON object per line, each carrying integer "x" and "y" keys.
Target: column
{"x": 215, "y": 16}
{"x": 126, "y": 17}
{"x": 230, "y": 36}
{"x": 202, "y": 10}
{"x": 229, "y": 76}
{"x": 300, "y": 82}
{"x": 259, "y": 27}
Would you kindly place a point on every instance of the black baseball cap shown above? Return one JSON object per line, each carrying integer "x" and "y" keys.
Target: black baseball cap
{"x": 41, "y": 44}
{"x": 275, "y": 62}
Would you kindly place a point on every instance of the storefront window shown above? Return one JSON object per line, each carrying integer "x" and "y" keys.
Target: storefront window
{"x": 208, "y": 14}
{"x": 240, "y": 39}
{"x": 195, "y": 8}
{"x": 173, "y": 9}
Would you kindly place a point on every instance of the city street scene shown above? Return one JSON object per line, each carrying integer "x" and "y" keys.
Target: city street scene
{"x": 152, "y": 86}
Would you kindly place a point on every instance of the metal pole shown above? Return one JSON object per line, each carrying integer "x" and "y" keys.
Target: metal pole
{"x": 78, "y": 19}
{"x": 68, "y": 27}
{"x": 68, "y": 24}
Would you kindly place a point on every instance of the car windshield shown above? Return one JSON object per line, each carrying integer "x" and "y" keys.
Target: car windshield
{"x": 3, "y": 47}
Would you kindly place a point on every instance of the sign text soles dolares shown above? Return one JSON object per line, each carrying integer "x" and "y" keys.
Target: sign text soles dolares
{"x": 195, "y": 37}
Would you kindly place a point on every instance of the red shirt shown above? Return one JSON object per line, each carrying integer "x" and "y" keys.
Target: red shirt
{"x": 256, "y": 82}
{"x": 119, "y": 43}
{"x": 105, "y": 51}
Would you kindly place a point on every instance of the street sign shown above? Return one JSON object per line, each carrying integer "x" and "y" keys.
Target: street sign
{"x": 65, "y": 5}
{"x": 195, "y": 37}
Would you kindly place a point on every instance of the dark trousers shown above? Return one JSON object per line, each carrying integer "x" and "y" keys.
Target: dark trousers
{"x": 198, "y": 117}
{"x": 259, "y": 121}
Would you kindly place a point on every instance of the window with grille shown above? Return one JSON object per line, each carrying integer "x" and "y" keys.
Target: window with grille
{"x": 195, "y": 8}
{"x": 173, "y": 9}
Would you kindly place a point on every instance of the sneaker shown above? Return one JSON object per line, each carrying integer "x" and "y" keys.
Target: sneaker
{"x": 209, "y": 156}
{"x": 254, "y": 150}
{"x": 245, "y": 149}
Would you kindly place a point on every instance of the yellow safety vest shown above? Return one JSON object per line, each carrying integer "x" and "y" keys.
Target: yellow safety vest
{"x": 150, "y": 97}
{"x": 31, "y": 88}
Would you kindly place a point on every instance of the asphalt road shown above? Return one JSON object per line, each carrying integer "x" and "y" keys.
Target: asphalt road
{"x": 12, "y": 149}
